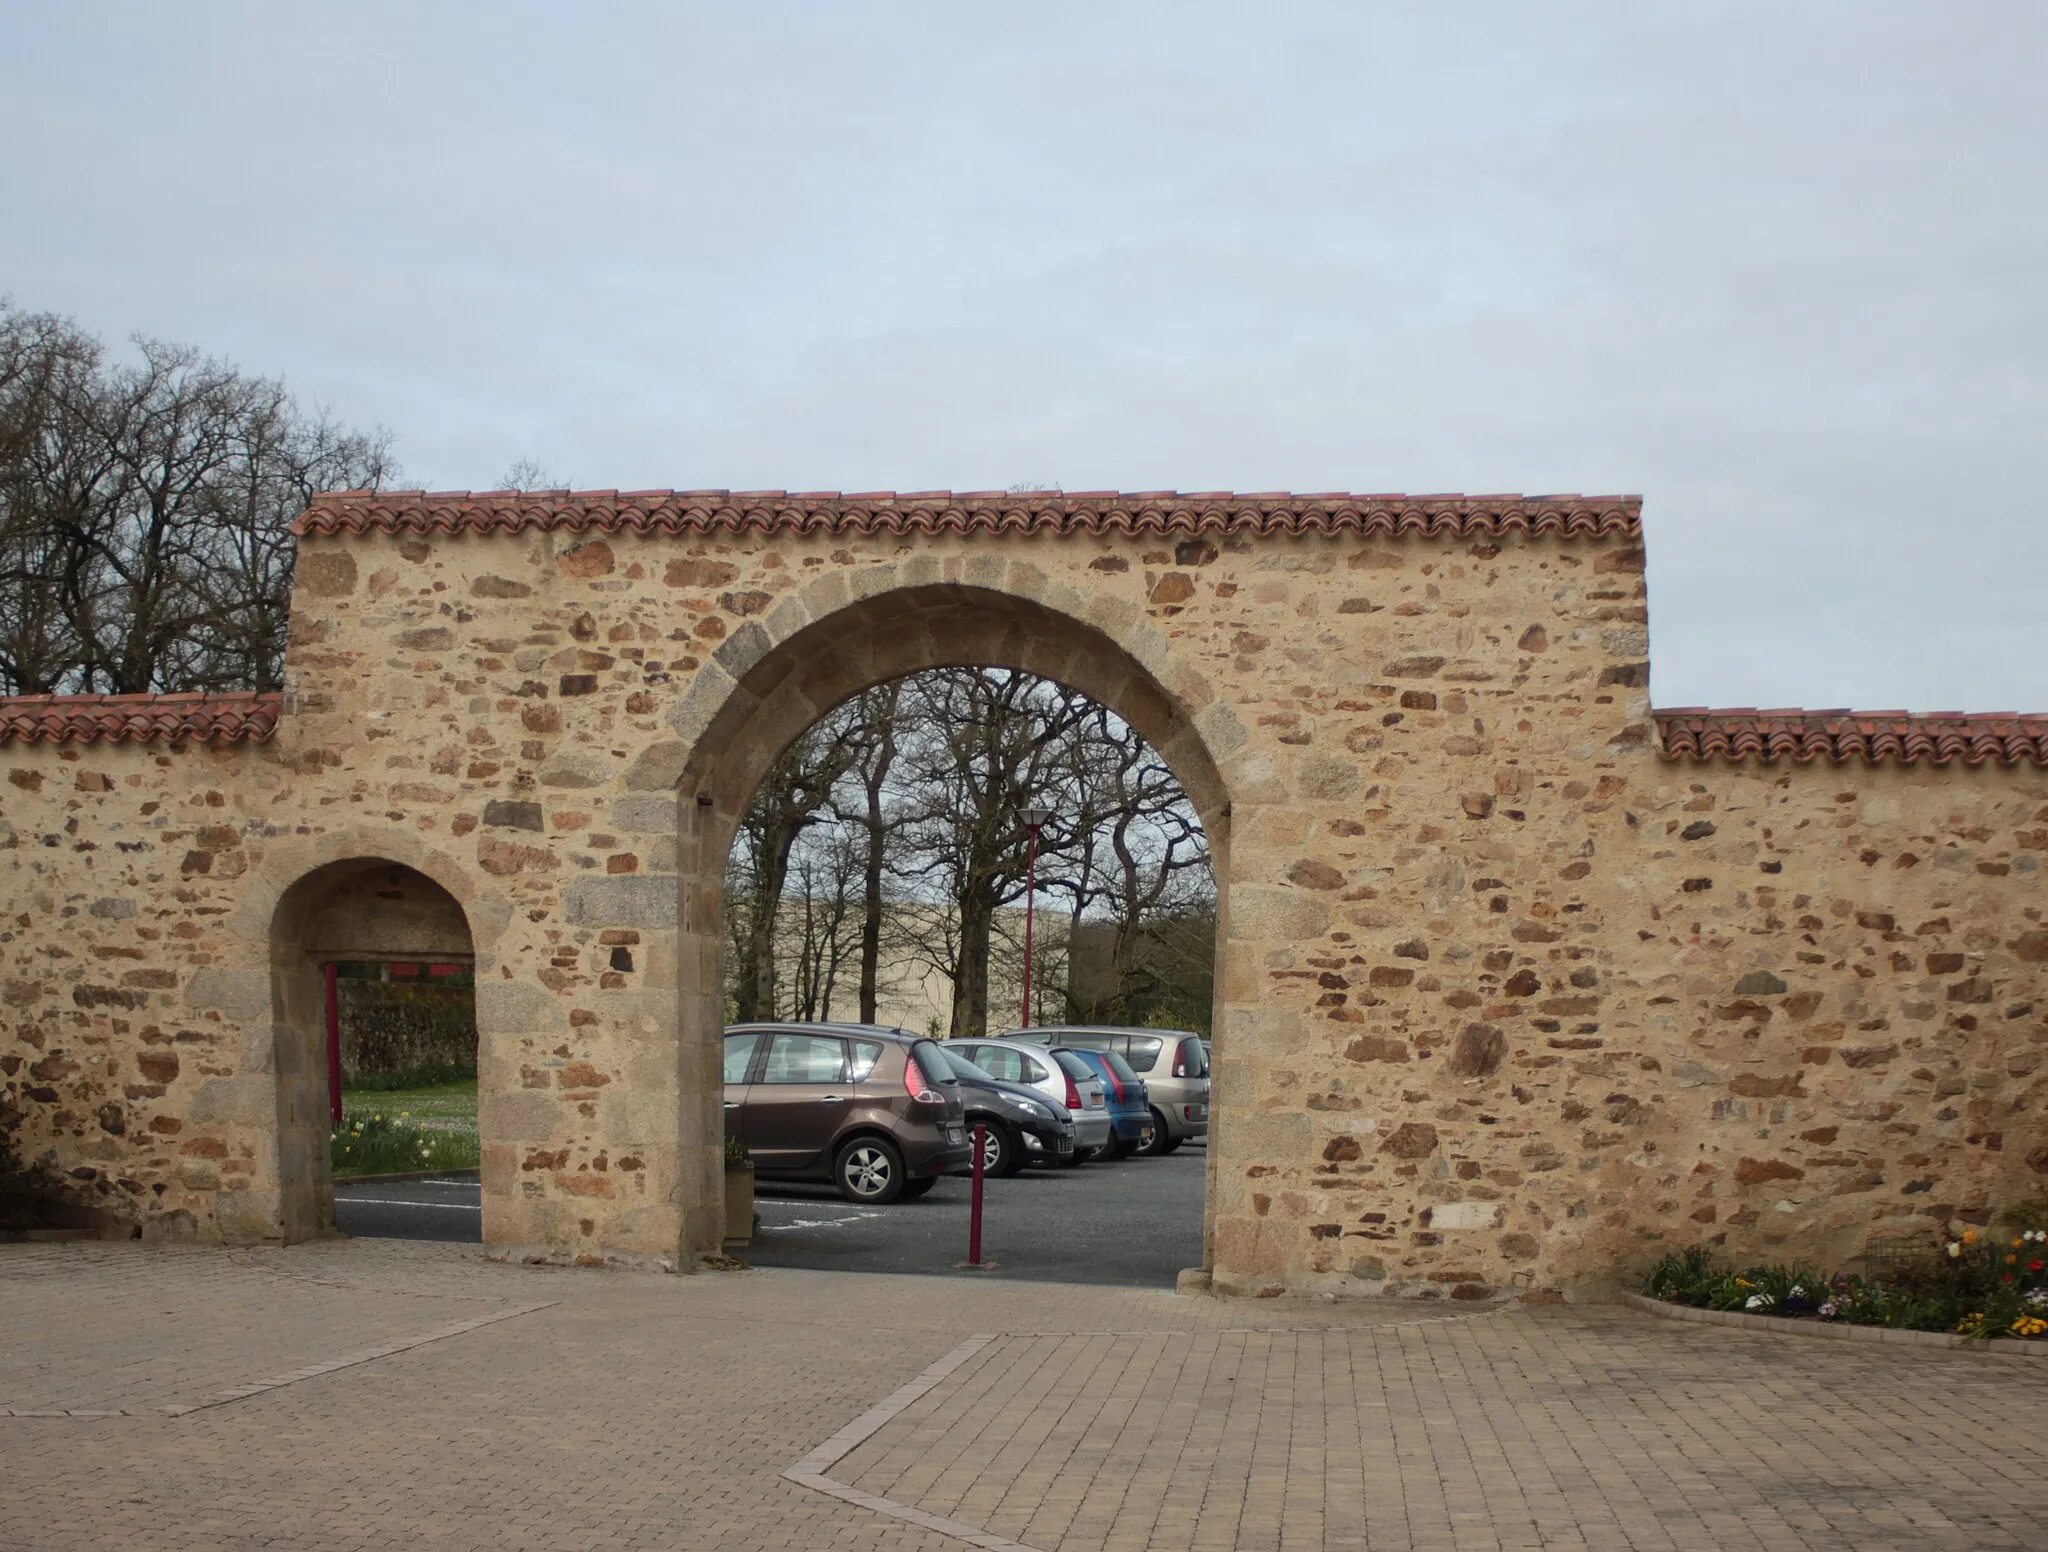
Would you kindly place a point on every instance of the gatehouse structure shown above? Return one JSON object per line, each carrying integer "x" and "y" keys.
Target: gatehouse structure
{"x": 1519, "y": 981}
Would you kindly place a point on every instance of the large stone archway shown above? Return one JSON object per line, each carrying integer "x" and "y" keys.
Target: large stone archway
{"x": 798, "y": 678}
{"x": 1520, "y": 979}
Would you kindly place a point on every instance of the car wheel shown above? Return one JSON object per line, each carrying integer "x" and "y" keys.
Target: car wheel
{"x": 869, "y": 1170}
{"x": 1078, "y": 1156}
{"x": 1000, "y": 1154}
{"x": 1162, "y": 1140}
{"x": 1113, "y": 1150}
{"x": 912, "y": 1189}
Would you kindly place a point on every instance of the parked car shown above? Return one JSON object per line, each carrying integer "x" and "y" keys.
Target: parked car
{"x": 1130, "y": 1111}
{"x": 1019, "y": 1125}
{"x": 1173, "y": 1063}
{"x": 877, "y": 1112}
{"x": 1070, "y": 1083}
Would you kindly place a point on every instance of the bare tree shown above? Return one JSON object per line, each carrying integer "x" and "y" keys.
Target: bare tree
{"x": 795, "y": 795}
{"x": 528, "y": 474}
{"x": 1145, "y": 845}
{"x": 992, "y": 747}
{"x": 918, "y": 854}
{"x": 144, "y": 510}
{"x": 875, "y": 716}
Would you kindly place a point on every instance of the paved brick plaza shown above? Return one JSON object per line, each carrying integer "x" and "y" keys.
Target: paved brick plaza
{"x": 374, "y": 1393}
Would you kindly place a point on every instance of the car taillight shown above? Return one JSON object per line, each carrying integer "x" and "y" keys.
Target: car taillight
{"x": 1115, "y": 1083}
{"x": 1180, "y": 1060}
{"x": 916, "y": 1085}
{"x": 1073, "y": 1094}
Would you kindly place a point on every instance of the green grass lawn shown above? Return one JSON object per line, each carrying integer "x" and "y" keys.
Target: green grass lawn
{"x": 392, "y": 1131}
{"x": 445, "y": 1107}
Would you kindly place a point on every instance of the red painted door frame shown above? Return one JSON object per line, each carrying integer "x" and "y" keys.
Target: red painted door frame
{"x": 327, "y": 972}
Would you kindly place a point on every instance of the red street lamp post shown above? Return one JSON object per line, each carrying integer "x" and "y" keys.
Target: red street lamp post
{"x": 1033, "y": 819}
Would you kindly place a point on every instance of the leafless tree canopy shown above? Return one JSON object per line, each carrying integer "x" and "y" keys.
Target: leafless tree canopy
{"x": 143, "y": 512}
{"x": 893, "y": 831}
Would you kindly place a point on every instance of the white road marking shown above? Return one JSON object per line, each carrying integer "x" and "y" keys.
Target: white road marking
{"x": 852, "y": 1215}
{"x": 394, "y": 1201}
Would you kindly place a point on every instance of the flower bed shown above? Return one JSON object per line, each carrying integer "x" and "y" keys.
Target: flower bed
{"x": 1981, "y": 1285}
{"x": 395, "y": 1144}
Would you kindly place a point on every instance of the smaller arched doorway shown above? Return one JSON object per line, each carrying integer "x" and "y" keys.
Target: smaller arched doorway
{"x": 370, "y": 919}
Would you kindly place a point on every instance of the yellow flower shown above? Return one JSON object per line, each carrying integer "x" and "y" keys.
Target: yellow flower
{"x": 1969, "y": 1236}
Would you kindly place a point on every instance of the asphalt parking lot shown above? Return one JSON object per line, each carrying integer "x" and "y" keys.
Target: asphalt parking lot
{"x": 1134, "y": 1223}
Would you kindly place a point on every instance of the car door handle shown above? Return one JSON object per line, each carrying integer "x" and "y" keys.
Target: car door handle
{"x": 732, "y": 1104}
{"x": 826, "y": 1099}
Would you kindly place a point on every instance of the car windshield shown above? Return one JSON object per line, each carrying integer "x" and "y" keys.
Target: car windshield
{"x": 1074, "y": 1067}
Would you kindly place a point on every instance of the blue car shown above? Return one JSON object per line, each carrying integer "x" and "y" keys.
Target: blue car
{"x": 1130, "y": 1106}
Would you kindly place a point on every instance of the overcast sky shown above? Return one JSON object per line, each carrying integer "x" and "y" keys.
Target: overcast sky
{"x": 1782, "y": 268}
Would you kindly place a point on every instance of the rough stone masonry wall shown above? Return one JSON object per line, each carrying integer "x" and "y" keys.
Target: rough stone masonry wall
{"x": 128, "y": 1044}
{"x": 1847, "y": 969}
{"x": 1480, "y": 1023}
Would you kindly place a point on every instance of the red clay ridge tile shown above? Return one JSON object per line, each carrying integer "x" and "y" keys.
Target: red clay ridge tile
{"x": 1744, "y": 733}
{"x": 966, "y": 512}
{"x": 217, "y": 717}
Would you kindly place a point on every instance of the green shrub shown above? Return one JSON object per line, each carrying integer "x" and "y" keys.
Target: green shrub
{"x": 379, "y": 1144}
{"x": 430, "y": 1076}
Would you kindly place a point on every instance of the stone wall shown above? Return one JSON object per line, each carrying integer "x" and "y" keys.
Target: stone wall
{"x": 1505, "y": 998}
{"x": 396, "y": 1026}
{"x": 133, "y": 1039}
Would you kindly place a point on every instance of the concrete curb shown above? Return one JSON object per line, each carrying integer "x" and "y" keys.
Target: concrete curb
{"x": 409, "y": 1174}
{"x": 1779, "y": 1325}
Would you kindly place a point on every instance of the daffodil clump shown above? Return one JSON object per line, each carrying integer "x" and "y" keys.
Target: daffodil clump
{"x": 380, "y": 1143}
{"x": 1981, "y": 1284}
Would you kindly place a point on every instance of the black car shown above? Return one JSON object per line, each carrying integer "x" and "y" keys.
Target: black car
{"x": 1020, "y": 1125}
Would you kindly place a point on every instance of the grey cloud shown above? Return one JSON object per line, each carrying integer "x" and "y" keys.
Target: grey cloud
{"x": 1773, "y": 265}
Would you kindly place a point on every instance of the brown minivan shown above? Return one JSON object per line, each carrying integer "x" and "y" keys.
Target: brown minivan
{"x": 848, "y": 1103}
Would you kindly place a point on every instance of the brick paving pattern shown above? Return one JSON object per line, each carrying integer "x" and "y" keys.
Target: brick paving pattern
{"x": 645, "y": 1411}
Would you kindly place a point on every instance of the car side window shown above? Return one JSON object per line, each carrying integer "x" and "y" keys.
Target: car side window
{"x": 865, "y": 1054}
{"x": 1143, "y": 1054}
{"x": 805, "y": 1059}
{"x": 1000, "y": 1061}
{"x": 739, "y": 1055}
{"x": 1033, "y": 1073}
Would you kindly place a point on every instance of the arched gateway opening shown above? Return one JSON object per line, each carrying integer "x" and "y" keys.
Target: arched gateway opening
{"x": 364, "y": 920}
{"x": 792, "y": 684}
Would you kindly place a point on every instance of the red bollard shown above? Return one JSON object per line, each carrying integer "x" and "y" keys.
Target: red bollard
{"x": 974, "y": 1219}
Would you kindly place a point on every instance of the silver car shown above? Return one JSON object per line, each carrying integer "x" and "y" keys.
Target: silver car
{"x": 1071, "y": 1083}
{"x": 1173, "y": 1063}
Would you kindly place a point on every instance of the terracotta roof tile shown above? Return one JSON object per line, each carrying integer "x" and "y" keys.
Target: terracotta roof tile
{"x": 944, "y": 511}
{"x": 225, "y": 717}
{"x": 1744, "y": 733}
